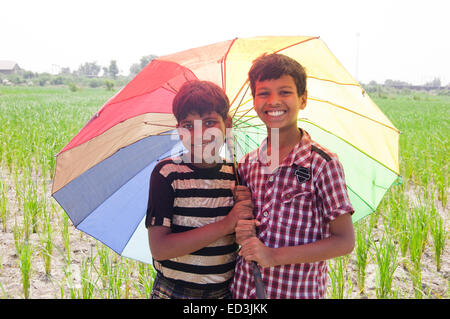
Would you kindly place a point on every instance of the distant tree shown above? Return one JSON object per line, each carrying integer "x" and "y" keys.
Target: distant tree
{"x": 89, "y": 69}
{"x": 137, "y": 67}
{"x": 395, "y": 83}
{"x": 113, "y": 70}
{"x": 64, "y": 71}
{"x": 436, "y": 83}
{"x": 29, "y": 75}
{"x": 44, "y": 78}
{"x": 58, "y": 80}
{"x": 95, "y": 83}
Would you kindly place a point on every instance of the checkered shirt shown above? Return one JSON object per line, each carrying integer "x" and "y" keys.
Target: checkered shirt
{"x": 295, "y": 205}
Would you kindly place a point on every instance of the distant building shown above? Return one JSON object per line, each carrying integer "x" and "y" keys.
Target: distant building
{"x": 8, "y": 67}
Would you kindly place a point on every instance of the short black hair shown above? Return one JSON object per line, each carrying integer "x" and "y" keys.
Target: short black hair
{"x": 200, "y": 97}
{"x": 273, "y": 66}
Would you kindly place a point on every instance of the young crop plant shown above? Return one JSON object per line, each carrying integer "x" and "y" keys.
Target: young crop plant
{"x": 439, "y": 234}
{"x": 385, "y": 253}
{"x": 363, "y": 242}
{"x": 25, "y": 262}
{"x": 4, "y": 212}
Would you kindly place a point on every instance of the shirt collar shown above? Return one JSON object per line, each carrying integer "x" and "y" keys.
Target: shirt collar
{"x": 299, "y": 156}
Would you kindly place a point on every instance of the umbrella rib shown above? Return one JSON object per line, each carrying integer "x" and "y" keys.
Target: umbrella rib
{"x": 248, "y": 119}
{"x": 115, "y": 191}
{"x": 362, "y": 199}
{"x": 357, "y": 148}
{"x": 109, "y": 103}
{"x": 158, "y": 124}
{"x": 246, "y": 140}
{"x": 356, "y": 113}
{"x": 338, "y": 83}
{"x": 239, "y": 92}
{"x": 172, "y": 89}
{"x": 240, "y": 103}
{"x": 224, "y": 66}
{"x": 294, "y": 44}
{"x": 242, "y": 128}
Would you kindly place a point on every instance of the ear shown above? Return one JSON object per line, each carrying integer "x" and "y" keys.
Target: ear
{"x": 302, "y": 100}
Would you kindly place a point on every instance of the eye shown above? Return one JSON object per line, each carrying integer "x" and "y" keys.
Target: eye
{"x": 187, "y": 126}
{"x": 285, "y": 93}
{"x": 210, "y": 123}
{"x": 262, "y": 94}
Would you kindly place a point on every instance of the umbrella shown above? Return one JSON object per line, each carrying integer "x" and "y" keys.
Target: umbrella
{"x": 102, "y": 175}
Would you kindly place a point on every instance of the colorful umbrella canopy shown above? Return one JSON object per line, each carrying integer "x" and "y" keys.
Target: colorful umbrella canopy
{"x": 102, "y": 175}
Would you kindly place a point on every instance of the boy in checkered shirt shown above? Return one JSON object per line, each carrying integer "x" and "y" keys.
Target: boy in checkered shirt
{"x": 303, "y": 213}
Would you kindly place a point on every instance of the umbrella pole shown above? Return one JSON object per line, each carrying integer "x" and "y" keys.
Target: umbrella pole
{"x": 260, "y": 290}
{"x": 259, "y": 285}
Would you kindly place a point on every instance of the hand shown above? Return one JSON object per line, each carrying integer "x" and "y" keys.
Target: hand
{"x": 241, "y": 210}
{"x": 241, "y": 192}
{"x": 254, "y": 250}
{"x": 246, "y": 228}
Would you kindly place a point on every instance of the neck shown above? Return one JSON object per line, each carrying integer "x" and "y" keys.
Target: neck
{"x": 202, "y": 162}
{"x": 287, "y": 137}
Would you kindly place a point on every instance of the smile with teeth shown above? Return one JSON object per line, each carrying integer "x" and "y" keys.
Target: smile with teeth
{"x": 275, "y": 113}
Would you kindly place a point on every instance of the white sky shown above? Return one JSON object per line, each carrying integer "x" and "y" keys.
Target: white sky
{"x": 398, "y": 39}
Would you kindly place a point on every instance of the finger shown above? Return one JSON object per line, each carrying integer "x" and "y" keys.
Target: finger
{"x": 243, "y": 192}
{"x": 243, "y": 237}
{"x": 245, "y": 204}
{"x": 247, "y": 224}
{"x": 245, "y": 234}
{"x": 241, "y": 188}
{"x": 246, "y": 214}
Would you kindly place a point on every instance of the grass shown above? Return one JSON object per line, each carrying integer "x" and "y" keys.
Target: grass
{"x": 404, "y": 238}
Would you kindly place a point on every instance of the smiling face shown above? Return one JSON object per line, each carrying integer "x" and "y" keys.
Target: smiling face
{"x": 277, "y": 103}
{"x": 202, "y": 135}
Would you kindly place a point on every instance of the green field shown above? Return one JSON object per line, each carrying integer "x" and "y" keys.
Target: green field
{"x": 402, "y": 249}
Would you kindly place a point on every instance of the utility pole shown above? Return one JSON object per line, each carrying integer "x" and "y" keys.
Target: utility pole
{"x": 357, "y": 57}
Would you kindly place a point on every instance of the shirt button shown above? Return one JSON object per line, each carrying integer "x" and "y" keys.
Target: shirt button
{"x": 288, "y": 196}
{"x": 271, "y": 178}
{"x": 266, "y": 214}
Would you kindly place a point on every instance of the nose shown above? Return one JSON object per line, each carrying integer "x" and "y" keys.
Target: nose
{"x": 273, "y": 100}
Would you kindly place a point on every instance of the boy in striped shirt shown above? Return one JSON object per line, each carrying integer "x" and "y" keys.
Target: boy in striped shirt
{"x": 191, "y": 213}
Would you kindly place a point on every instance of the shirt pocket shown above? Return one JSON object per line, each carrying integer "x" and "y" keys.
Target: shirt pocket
{"x": 296, "y": 217}
{"x": 293, "y": 194}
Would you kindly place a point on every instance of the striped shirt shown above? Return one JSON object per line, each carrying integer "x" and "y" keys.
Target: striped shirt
{"x": 183, "y": 197}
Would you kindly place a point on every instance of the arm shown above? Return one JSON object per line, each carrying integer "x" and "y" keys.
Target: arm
{"x": 332, "y": 194}
{"x": 166, "y": 245}
{"x": 341, "y": 242}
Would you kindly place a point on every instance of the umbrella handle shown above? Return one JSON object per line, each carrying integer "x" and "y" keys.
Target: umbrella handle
{"x": 260, "y": 291}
